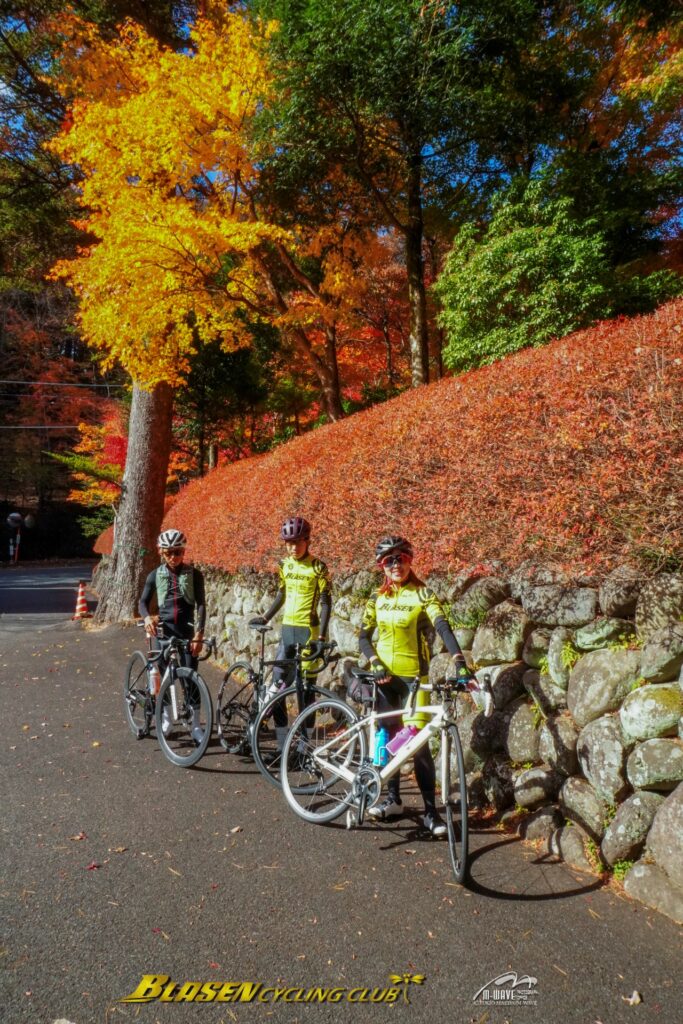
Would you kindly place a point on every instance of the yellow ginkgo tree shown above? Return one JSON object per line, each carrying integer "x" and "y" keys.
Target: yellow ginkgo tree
{"x": 183, "y": 246}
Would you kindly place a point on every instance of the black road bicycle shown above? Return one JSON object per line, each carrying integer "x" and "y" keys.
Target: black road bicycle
{"x": 182, "y": 710}
{"x": 253, "y": 714}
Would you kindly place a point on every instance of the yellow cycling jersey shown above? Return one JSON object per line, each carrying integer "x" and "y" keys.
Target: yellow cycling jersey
{"x": 304, "y": 581}
{"x": 403, "y": 618}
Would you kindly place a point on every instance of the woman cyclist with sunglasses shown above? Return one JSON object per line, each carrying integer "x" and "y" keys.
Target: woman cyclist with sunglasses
{"x": 401, "y": 610}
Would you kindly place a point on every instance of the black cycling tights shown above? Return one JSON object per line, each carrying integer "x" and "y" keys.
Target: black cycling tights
{"x": 390, "y": 697}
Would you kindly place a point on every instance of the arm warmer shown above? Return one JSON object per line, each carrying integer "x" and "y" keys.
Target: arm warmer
{"x": 446, "y": 634}
{"x": 325, "y": 609}
{"x": 147, "y": 593}
{"x": 365, "y": 642}
{"x": 200, "y": 602}
{"x": 275, "y": 606}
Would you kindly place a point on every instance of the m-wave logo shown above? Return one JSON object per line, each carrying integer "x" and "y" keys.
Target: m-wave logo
{"x": 508, "y": 988}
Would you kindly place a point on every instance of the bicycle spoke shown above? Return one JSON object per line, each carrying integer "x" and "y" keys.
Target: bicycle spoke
{"x": 234, "y": 708}
{"x": 272, "y": 724}
{"x": 184, "y": 717}
{"x": 454, "y": 797}
{"x": 322, "y": 760}
{"x": 138, "y": 702}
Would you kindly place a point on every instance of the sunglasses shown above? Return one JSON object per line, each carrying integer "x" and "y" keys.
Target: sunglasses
{"x": 172, "y": 552}
{"x": 391, "y": 560}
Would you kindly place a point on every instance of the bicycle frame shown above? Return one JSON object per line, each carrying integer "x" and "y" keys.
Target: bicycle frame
{"x": 441, "y": 716}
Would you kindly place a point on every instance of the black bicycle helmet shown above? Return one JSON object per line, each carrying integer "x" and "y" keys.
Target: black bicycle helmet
{"x": 392, "y": 546}
{"x": 295, "y": 528}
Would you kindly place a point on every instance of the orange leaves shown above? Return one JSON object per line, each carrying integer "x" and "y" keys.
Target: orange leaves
{"x": 573, "y": 451}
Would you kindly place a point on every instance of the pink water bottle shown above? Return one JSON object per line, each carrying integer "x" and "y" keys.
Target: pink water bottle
{"x": 406, "y": 733}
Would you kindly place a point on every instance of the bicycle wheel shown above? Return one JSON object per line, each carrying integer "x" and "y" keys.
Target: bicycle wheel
{"x": 320, "y": 760}
{"x": 454, "y": 796}
{"x": 184, "y": 716}
{"x": 271, "y": 727}
{"x": 138, "y": 702}
{"x": 234, "y": 708}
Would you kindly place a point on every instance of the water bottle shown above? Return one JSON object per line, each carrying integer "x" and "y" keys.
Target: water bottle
{"x": 380, "y": 756}
{"x": 405, "y": 734}
{"x": 154, "y": 679}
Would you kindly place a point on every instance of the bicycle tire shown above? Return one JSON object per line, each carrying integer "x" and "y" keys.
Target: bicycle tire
{"x": 138, "y": 702}
{"x": 316, "y": 791}
{"x": 234, "y": 705}
{"x": 185, "y": 742}
{"x": 266, "y": 745}
{"x": 454, "y": 796}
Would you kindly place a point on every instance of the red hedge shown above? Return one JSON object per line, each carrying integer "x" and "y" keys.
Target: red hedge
{"x": 571, "y": 452}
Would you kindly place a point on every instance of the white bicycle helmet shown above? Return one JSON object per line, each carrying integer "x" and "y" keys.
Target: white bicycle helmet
{"x": 172, "y": 539}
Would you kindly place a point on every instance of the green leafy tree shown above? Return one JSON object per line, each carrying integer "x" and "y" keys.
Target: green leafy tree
{"x": 371, "y": 91}
{"x": 535, "y": 272}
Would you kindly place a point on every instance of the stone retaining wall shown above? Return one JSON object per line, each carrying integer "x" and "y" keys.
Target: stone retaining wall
{"x": 584, "y": 751}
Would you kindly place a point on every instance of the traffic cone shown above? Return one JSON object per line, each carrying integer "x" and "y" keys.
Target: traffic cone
{"x": 81, "y": 604}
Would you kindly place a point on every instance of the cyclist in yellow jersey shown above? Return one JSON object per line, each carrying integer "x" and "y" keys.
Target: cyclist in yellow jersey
{"x": 305, "y": 591}
{"x": 402, "y": 611}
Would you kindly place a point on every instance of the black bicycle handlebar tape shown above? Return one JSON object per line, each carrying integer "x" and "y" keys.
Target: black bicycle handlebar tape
{"x": 210, "y": 645}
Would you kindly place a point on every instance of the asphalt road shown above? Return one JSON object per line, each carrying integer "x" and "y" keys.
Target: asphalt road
{"x": 115, "y": 864}
{"x": 36, "y": 597}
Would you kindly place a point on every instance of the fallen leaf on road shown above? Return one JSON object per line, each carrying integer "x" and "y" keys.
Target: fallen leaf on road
{"x": 174, "y": 872}
{"x": 560, "y": 970}
{"x": 77, "y": 838}
{"x": 93, "y": 866}
{"x": 118, "y": 849}
{"x": 410, "y": 853}
{"x": 633, "y": 999}
{"x": 96, "y": 743}
{"x": 237, "y": 828}
{"x": 594, "y": 914}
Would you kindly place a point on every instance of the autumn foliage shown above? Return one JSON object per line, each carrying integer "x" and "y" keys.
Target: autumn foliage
{"x": 572, "y": 453}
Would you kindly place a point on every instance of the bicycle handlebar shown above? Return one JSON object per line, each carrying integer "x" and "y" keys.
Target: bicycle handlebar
{"x": 325, "y": 653}
{"x": 184, "y": 645}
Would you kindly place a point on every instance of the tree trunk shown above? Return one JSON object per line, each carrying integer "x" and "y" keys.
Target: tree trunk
{"x": 332, "y": 390}
{"x": 142, "y": 504}
{"x": 419, "y": 338}
{"x": 440, "y": 333}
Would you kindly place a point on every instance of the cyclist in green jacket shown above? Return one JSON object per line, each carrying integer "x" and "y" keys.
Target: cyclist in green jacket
{"x": 177, "y": 591}
{"x": 306, "y": 594}
{"x": 403, "y": 610}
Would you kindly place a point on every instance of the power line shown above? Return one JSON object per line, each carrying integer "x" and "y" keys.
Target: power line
{"x": 61, "y": 384}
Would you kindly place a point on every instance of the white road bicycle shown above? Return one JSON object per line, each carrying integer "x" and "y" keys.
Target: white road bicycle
{"x": 329, "y": 769}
